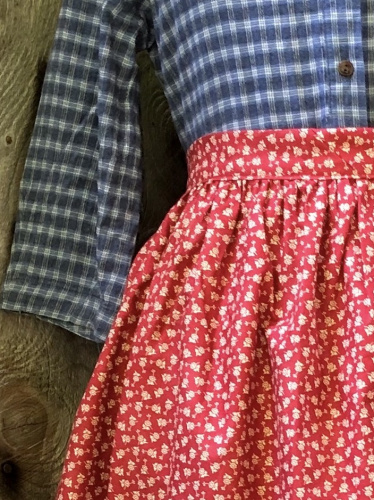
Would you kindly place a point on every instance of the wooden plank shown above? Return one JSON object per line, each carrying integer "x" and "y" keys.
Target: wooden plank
{"x": 43, "y": 369}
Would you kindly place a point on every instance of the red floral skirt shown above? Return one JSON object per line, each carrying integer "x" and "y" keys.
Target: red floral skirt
{"x": 241, "y": 362}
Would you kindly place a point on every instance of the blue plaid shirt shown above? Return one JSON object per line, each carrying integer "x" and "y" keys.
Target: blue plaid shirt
{"x": 224, "y": 64}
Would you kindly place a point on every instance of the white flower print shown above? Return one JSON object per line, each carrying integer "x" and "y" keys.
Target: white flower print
{"x": 246, "y": 330}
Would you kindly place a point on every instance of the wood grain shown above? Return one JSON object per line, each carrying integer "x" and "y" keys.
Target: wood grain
{"x": 26, "y": 33}
{"x": 44, "y": 369}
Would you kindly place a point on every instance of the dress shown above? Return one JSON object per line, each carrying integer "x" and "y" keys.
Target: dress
{"x": 240, "y": 364}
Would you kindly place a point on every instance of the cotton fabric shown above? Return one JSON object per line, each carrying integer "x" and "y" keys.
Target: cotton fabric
{"x": 224, "y": 65}
{"x": 240, "y": 365}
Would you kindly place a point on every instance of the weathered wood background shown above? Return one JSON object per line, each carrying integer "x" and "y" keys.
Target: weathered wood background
{"x": 44, "y": 369}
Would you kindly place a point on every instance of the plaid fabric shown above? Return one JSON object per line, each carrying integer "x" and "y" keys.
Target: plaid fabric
{"x": 225, "y": 65}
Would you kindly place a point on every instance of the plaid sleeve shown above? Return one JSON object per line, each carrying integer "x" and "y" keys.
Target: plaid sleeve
{"x": 80, "y": 193}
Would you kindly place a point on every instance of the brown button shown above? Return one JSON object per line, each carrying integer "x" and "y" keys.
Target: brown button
{"x": 346, "y": 68}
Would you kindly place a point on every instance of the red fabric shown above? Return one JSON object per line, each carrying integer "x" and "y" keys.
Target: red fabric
{"x": 240, "y": 365}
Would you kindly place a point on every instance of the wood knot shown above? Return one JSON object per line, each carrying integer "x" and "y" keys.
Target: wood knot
{"x": 9, "y": 139}
{"x": 23, "y": 418}
{"x": 7, "y": 468}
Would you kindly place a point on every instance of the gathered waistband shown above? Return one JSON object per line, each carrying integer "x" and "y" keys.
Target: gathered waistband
{"x": 282, "y": 154}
